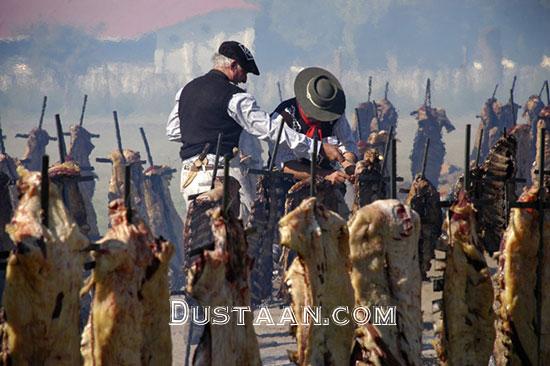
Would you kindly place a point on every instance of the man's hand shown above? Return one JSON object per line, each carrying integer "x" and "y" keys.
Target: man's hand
{"x": 337, "y": 176}
{"x": 331, "y": 152}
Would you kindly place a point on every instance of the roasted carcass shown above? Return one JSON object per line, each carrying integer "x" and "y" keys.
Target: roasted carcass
{"x": 385, "y": 272}
{"x": 430, "y": 123}
{"x": 543, "y": 122}
{"x": 197, "y": 232}
{"x": 319, "y": 277}
{"x": 79, "y": 151}
{"x": 43, "y": 278}
{"x": 116, "y": 184}
{"x": 465, "y": 333}
{"x": 164, "y": 220}
{"x": 524, "y": 153}
{"x": 65, "y": 176}
{"x": 8, "y": 198}
{"x": 369, "y": 182}
{"x": 220, "y": 277}
{"x": 531, "y": 111}
{"x": 129, "y": 320}
{"x": 263, "y": 233}
{"x": 329, "y": 195}
{"x": 36, "y": 148}
{"x": 517, "y": 339}
{"x": 492, "y": 184}
{"x": 424, "y": 199}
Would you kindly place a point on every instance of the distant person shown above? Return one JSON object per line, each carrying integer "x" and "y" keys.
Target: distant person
{"x": 213, "y": 103}
{"x": 319, "y": 103}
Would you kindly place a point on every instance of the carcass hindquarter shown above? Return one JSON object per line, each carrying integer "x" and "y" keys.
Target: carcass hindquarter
{"x": 465, "y": 334}
{"x": 220, "y": 277}
{"x": 385, "y": 272}
{"x": 79, "y": 150}
{"x": 164, "y": 220}
{"x": 116, "y": 184}
{"x": 369, "y": 182}
{"x": 524, "y": 154}
{"x": 156, "y": 348}
{"x": 43, "y": 279}
{"x": 320, "y": 238}
{"x": 65, "y": 176}
{"x": 114, "y": 334}
{"x": 516, "y": 340}
{"x": 424, "y": 199}
{"x": 490, "y": 183}
{"x": 36, "y": 148}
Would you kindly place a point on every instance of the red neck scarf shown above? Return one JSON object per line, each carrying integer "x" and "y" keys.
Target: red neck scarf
{"x": 311, "y": 124}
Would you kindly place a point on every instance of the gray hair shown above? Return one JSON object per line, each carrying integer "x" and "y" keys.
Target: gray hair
{"x": 221, "y": 61}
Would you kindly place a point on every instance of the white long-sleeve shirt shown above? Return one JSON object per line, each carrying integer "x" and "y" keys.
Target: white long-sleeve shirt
{"x": 244, "y": 109}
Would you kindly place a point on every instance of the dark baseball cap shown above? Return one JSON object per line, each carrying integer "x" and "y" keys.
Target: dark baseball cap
{"x": 241, "y": 54}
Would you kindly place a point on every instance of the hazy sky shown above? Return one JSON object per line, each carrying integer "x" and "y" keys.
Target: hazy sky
{"x": 107, "y": 18}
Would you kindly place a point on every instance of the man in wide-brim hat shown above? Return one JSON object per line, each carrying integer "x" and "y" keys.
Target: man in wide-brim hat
{"x": 318, "y": 106}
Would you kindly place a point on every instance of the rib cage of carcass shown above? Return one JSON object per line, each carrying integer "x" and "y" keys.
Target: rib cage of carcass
{"x": 197, "y": 232}
{"x": 491, "y": 184}
{"x": 164, "y": 220}
{"x": 116, "y": 184}
{"x": 424, "y": 199}
{"x": 369, "y": 182}
{"x": 431, "y": 121}
{"x": 79, "y": 150}
{"x": 263, "y": 234}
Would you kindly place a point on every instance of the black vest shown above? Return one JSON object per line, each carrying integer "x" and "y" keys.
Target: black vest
{"x": 300, "y": 126}
{"x": 203, "y": 114}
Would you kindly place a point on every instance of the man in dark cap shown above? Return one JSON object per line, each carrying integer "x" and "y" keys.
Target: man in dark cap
{"x": 319, "y": 105}
{"x": 213, "y": 103}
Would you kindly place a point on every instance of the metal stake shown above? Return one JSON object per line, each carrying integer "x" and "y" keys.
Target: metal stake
{"x": 425, "y": 158}
{"x": 393, "y": 175}
{"x": 216, "y": 160}
{"x": 60, "y": 139}
{"x": 83, "y": 110}
{"x": 45, "y": 191}
{"x": 313, "y": 165}
{"x": 147, "y": 149}
{"x": 467, "y": 158}
{"x": 127, "y": 198}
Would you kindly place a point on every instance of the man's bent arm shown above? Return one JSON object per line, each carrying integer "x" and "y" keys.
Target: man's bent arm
{"x": 246, "y": 112}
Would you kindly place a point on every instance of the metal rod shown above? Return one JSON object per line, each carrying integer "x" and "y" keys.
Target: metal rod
{"x": 494, "y": 92}
{"x": 83, "y": 110}
{"x": 118, "y": 138}
{"x": 428, "y": 95}
{"x": 393, "y": 175}
{"x": 479, "y": 142}
{"x": 127, "y": 198}
{"x": 370, "y": 89}
{"x": 358, "y": 123}
{"x": 41, "y": 120}
{"x": 386, "y": 90}
{"x": 467, "y": 158}
{"x": 375, "y": 106}
{"x": 60, "y": 139}
{"x": 225, "y": 201}
{"x": 216, "y": 160}
{"x": 45, "y": 190}
{"x": 147, "y": 149}
{"x": 425, "y": 158}
{"x": 2, "y": 146}
{"x": 273, "y": 157}
{"x": 313, "y": 165}
{"x": 280, "y": 93}
{"x": 540, "y": 254}
{"x": 386, "y": 150}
